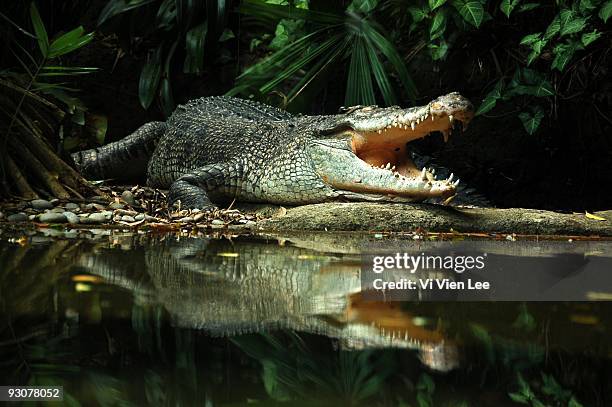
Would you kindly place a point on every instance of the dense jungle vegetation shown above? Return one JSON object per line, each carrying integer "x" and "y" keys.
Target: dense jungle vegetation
{"x": 80, "y": 73}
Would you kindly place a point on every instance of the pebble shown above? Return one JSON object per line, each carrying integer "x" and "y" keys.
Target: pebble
{"x": 128, "y": 218}
{"x": 97, "y": 217}
{"x": 71, "y": 217}
{"x": 125, "y": 212}
{"x": 116, "y": 205}
{"x": 32, "y": 217}
{"x": 53, "y": 217}
{"x": 186, "y": 219}
{"x": 198, "y": 216}
{"x": 17, "y": 217}
{"x": 128, "y": 198}
{"x": 140, "y": 216}
{"x": 57, "y": 210}
{"x": 41, "y": 204}
{"x": 217, "y": 222}
{"x": 54, "y": 201}
{"x": 107, "y": 214}
{"x": 250, "y": 223}
{"x": 71, "y": 206}
{"x": 95, "y": 206}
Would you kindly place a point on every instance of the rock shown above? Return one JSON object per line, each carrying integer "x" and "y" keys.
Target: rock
{"x": 54, "y": 201}
{"x": 198, "y": 216}
{"x": 71, "y": 217}
{"x": 96, "y": 218}
{"x": 125, "y": 212}
{"x": 107, "y": 214}
{"x": 95, "y": 206}
{"x": 217, "y": 222}
{"x": 186, "y": 219}
{"x": 128, "y": 198}
{"x": 116, "y": 205}
{"x": 57, "y": 210}
{"x": 41, "y": 204}
{"x": 128, "y": 218}
{"x": 53, "y": 217}
{"x": 71, "y": 206}
{"x": 32, "y": 217}
{"x": 250, "y": 223}
{"x": 17, "y": 217}
{"x": 139, "y": 217}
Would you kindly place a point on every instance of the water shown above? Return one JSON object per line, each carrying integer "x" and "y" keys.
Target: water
{"x": 132, "y": 319}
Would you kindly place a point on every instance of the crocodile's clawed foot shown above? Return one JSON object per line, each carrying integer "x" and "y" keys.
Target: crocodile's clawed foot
{"x": 185, "y": 195}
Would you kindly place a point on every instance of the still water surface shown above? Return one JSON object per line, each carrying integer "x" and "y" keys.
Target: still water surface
{"x": 132, "y": 319}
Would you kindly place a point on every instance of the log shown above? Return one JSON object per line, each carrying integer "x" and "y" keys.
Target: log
{"x": 377, "y": 217}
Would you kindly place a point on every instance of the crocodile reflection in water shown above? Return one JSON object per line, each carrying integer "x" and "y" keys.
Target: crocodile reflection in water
{"x": 254, "y": 286}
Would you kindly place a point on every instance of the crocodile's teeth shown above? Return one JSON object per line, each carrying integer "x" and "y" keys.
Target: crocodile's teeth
{"x": 445, "y": 135}
{"x": 423, "y": 174}
{"x": 432, "y": 118}
{"x": 451, "y": 177}
{"x": 379, "y": 131}
{"x": 450, "y": 118}
{"x": 388, "y": 166}
{"x": 456, "y": 182}
{"x": 429, "y": 176}
{"x": 393, "y": 168}
{"x": 413, "y": 125}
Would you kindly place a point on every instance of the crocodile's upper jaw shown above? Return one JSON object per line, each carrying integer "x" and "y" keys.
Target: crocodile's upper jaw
{"x": 377, "y": 164}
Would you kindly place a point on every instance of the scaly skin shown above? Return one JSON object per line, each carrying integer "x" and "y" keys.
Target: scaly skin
{"x": 220, "y": 149}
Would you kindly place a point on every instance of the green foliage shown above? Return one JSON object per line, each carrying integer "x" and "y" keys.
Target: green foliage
{"x": 572, "y": 27}
{"x": 425, "y": 389}
{"x": 45, "y": 75}
{"x": 330, "y": 42}
{"x": 173, "y": 28}
{"x": 542, "y": 393}
{"x": 472, "y": 11}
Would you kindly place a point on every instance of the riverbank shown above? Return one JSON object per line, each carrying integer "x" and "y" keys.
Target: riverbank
{"x": 144, "y": 208}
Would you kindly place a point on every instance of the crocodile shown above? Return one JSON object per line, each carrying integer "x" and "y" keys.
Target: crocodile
{"x": 219, "y": 149}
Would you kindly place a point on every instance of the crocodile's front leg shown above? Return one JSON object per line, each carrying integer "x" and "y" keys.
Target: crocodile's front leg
{"x": 193, "y": 189}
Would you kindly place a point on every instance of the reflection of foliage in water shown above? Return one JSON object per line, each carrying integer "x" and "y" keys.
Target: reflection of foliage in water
{"x": 34, "y": 347}
{"x": 293, "y": 370}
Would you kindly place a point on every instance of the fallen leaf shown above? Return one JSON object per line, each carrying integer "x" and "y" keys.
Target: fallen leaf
{"x": 594, "y": 217}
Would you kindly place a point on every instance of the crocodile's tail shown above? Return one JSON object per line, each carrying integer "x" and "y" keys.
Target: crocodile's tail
{"x": 125, "y": 159}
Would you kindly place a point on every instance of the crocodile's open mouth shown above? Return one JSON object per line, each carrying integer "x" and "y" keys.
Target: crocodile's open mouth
{"x": 379, "y": 164}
